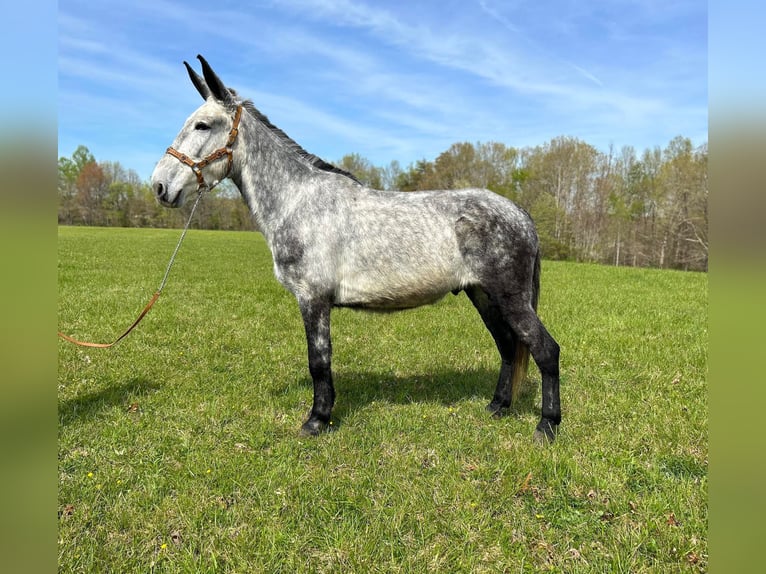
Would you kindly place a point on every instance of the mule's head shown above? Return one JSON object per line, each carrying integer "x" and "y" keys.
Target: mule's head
{"x": 199, "y": 152}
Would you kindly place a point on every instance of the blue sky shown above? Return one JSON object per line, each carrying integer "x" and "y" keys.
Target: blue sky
{"x": 387, "y": 80}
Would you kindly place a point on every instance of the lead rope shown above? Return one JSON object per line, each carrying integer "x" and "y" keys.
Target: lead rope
{"x": 183, "y": 234}
{"x": 156, "y": 295}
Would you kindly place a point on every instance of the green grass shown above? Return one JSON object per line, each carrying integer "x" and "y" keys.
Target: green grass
{"x": 179, "y": 449}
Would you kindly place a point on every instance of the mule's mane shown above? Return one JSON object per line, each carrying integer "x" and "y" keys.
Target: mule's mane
{"x": 292, "y": 145}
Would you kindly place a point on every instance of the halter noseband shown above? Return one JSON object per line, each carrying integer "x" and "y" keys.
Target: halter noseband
{"x": 196, "y": 166}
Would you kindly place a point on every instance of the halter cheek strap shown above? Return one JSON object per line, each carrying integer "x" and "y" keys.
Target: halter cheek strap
{"x": 197, "y": 166}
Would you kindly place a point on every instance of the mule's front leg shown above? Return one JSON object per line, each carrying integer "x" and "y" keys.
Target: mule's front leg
{"x": 316, "y": 319}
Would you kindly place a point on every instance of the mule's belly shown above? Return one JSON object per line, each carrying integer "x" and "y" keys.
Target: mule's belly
{"x": 404, "y": 256}
{"x": 401, "y": 286}
{"x": 390, "y": 293}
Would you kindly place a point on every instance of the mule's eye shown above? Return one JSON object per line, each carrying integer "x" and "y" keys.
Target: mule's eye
{"x": 201, "y": 126}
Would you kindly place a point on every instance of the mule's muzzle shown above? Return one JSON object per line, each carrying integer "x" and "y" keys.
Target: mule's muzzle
{"x": 163, "y": 196}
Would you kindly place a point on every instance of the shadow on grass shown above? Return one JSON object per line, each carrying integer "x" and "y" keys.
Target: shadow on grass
{"x": 72, "y": 410}
{"x": 355, "y": 390}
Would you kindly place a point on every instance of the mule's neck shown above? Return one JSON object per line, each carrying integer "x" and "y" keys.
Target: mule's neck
{"x": 270, "y": 177}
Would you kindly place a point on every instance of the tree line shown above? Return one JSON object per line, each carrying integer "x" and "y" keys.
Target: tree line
{"x": 621, "y": 207}
{"x": 105, "y": 193}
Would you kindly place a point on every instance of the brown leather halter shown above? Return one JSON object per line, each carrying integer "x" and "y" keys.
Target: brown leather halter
{"x": 196, "y": 166}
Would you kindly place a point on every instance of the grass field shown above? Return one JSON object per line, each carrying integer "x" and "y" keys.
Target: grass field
{"x": 179, "y": 449}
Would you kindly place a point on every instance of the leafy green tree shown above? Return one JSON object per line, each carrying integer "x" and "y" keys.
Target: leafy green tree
{"x": 363, "y": 170}
{"x": 69, "y": 169}
{"x": 684, "y": 205}
{"x": 413, "y": 178}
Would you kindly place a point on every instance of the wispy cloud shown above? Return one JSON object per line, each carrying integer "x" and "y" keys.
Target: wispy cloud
{"x": 588, "y": 75}
{"x": 495, "y": 15}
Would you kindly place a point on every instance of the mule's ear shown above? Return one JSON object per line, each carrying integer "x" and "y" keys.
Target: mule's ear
{"x": 198, "y": 82}
{"x": 214, "y": 83}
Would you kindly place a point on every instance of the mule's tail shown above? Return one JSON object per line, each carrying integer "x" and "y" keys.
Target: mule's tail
{"x": 521, "y": 357}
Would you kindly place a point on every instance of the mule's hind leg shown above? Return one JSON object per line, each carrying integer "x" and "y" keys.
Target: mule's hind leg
{"x": 505, "y": 339}
{"x": 316, "y": 320}
{"x": 545, "y": 352}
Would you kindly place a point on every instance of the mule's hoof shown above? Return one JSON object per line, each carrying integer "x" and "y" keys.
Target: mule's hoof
{"x": 497, "y": 410}
{"x": 545, "y": 433}
{"x": 314, "y": 427}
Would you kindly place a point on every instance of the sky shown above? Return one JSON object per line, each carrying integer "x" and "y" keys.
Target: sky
{"x": 395, "y": 80}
